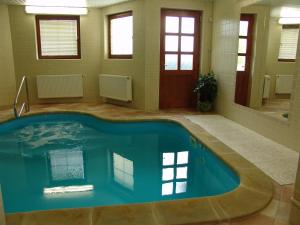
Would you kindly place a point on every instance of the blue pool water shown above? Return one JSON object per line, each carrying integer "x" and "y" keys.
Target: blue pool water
{"x": 55, "y": 161}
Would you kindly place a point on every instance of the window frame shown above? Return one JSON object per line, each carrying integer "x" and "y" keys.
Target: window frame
{"x": 38, "y": 18}
{"x": 287, "y": 27}
{"x": 117, "y": 16}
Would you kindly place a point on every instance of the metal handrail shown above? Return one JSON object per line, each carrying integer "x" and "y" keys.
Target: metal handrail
{"x": 25, "y": 104}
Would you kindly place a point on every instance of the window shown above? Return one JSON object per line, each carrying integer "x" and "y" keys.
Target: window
{"x": 58, "y": 37}
{"x": 288, "y": 43}
{"x": 120, "y": 35}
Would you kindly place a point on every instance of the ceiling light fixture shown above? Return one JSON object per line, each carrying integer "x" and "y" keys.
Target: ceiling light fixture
{"x": 55, "y": 10}
{"x": 64, "y": 3}
{"x": 289, "y": 20}
{"x": 291, "y": 12}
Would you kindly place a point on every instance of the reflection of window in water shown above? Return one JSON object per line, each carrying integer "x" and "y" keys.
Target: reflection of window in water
{"x": 66, "y": 164}
{"x": 174, "y": 172}
{"x": 123, "y": 171}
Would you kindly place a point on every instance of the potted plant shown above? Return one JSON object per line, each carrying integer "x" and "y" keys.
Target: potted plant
{"x": 207, "y": 91}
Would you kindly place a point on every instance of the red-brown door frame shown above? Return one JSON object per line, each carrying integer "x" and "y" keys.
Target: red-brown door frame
{"x": 243, "y": 78}
{"x": 184, "y": 77}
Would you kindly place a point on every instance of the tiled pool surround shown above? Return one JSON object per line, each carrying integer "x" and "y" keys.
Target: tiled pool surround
{"x": 253, "y": 194}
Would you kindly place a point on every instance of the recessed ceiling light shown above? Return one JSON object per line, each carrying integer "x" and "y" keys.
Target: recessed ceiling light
{"x": 67, "y": 3}
{"x": 289, "y": 21}
{"x": 56, "y": 10}
{"x": 290, "y": 12}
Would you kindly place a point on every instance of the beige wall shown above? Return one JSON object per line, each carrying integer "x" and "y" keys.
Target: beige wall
{"x": 26, "y": 62}
{"x": 132, "y": 67}
{"x": 265, "y": 53}
{"x": 295, "y": 212}
{"x": 144, "y": 67}
{"x": 152, "y": 42}
{"x": 225, "y": 43}
{"x": 262, "y": 14}
{"x": 7, "y": 72}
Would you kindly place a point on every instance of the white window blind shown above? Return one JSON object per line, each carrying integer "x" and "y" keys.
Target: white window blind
{"x": 58, "y": 37}
{"x": 288, "y": 44}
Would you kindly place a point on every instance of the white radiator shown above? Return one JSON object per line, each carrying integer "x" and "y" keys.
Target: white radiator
{"x": 115, "y": 87}
{"x": 59, "y": 86}
{"x": 284, "y": 84}
{"x": 267, "y": 87}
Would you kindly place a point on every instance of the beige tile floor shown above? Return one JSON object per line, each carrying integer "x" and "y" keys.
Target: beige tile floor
{"x": 276, "y": 213}
{"x": 277, "y": 161}
{"x": 276, "y": 107}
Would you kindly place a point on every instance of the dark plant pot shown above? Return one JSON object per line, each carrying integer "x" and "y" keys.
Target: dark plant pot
{"x": 205, "y": 106}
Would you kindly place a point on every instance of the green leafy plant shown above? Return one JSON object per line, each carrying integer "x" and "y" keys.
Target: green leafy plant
{"x": 207, "y": 90}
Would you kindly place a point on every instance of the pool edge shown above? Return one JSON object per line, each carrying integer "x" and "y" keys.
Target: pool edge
{"x": 253, "y": 194}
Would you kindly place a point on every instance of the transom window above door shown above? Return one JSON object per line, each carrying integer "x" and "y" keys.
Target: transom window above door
{"x": 179, "y": 41}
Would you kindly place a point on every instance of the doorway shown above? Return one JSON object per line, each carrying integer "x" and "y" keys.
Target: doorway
{"x": 243, "y": 74}
{"x": 179, "y": 58}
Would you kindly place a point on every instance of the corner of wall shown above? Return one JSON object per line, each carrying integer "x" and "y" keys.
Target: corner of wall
{"x": 7, "y": 66}
{"x": 225, "y": 45}
{"x": 131, "y": 67}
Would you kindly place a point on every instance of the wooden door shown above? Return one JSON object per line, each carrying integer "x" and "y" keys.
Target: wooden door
{"x": 243, "y": 75}
{"x": 179, "y": 58}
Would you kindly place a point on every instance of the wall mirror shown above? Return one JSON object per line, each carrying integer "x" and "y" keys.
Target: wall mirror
{"x": 266, "y": 61}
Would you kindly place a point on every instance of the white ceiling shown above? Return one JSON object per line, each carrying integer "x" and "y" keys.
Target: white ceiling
{"x": 82, "y": 3}
{"x": 280, "y": 2}
{"x": 282, "y": 8}
{"x": 275, "y": 4}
